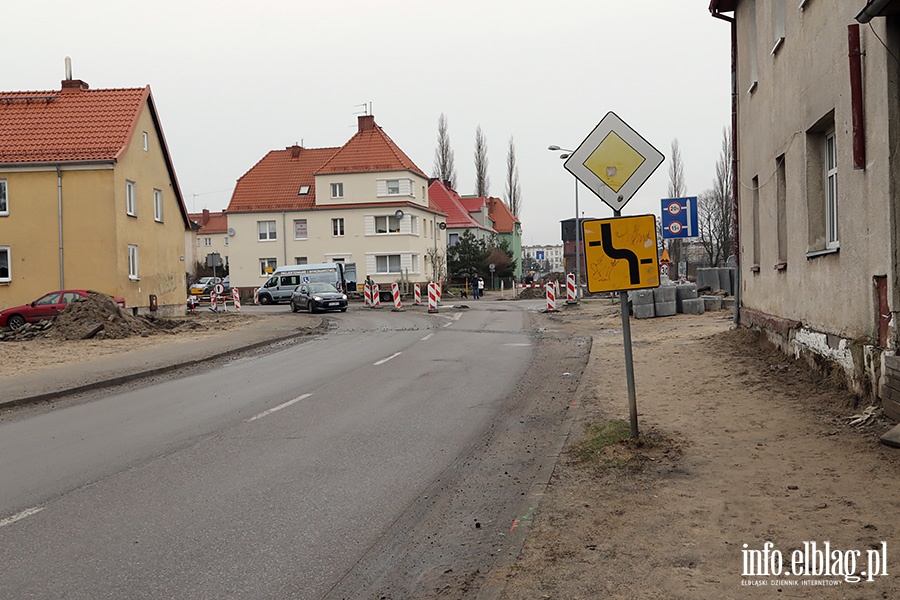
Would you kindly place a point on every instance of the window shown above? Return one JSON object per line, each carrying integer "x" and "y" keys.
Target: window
{"x": 781, "y": 212}
{"x": 4, "y": 202}
{"x": 337, "y": 190}
{"x": 393, "y": 187}
{"x": 5, "y": 262}
{"x": 198, "y": 242}
{"x": 751, "y": 19}
{"x": 130, "y": 201}
{"x": 754, "y": 222}
{"x": 132, "y": 262}
{"x": 337, "y": 227}
{"x": 266, "y": 266}
{"x": 303, "y": 191}
{"x": 301, "y": 260}
{"x": 266, "y": 230}
{"x": 145, "y": 141}
{"x": 226, "y": 241}
{"x": 207, "y": 242}
{"x": 299, "y": 229}
{"x": 387, "y": 224}
{"x": 832, "y": 238}
{"x": 157, "y": 206}
{"x": 778, "y": 24}
{"x": 454, "y": 239}
{"x": 387, "y": 264}
{"x": 414, "y": 224}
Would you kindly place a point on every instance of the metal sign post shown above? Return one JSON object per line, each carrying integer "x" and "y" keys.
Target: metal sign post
{"x": 620, "y": 253}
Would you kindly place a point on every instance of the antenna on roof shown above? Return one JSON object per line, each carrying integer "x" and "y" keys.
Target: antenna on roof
{"x": 367, "y": 108}
{"x": 68, "y": 68}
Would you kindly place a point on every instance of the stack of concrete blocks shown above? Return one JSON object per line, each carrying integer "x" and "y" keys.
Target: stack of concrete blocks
{"x": 642, "y": 304}
{"x": 664, "y": 300}
{"x": 717, "y": 278}
{"x": 712, "y": 302}
{"x": 686, "y": 300}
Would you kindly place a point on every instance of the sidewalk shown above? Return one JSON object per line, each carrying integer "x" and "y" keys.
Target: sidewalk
{"x": 169, "y": 354}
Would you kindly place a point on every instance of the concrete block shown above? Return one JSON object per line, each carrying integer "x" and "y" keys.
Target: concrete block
{"x": 728, "y": 303}
{"x": 683, "y": 292}
{"x": 724, "y": 275}
{"x": 712, "y": 302}
{"x": 692, "y": 306}
{"x": 642, "y": 297}
{"x": 664, "y": 293}
{"x": 708, "y": 277}
{"x": 644, "y": 311}
{"x": 666, "y": 309}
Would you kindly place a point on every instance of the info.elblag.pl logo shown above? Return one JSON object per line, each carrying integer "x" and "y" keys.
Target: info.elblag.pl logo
{"x": 813, "y": 563}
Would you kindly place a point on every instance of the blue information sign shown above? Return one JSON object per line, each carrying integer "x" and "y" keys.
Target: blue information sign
{"x": 679, "y": 218}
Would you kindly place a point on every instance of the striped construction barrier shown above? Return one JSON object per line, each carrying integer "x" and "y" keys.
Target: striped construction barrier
{"x": 570, "y": 289}
{"x": 417, "y": 294}
{"x": 440, "y": 289}
{"x": 376, "y": 296}
{"x": 367, "y": 294}
{"x": 551, "y": 295}
{"x": 432, "y": 298}
{"x": 256, "y": 296}
{"x": 395, "y": 292}
{"x": 213, "y": 300}
{"x": 236, "y": 298}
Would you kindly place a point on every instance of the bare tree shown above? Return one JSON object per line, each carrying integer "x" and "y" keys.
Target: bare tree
{"x": 676, "y": 190}
{"x": 482, "y": 180}
{"x": 438, "y": 261}
{"x": 444, "y": 169}
{"x": 716, "y": 208}
{"x": 513, "y": 191}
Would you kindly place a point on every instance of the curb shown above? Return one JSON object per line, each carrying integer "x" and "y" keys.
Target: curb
{"x": 493, "y": 587}
{"x": 96, "y": 385}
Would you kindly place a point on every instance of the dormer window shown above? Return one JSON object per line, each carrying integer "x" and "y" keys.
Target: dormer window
{"x": 303, "y": 191}
{"x": 337, "y": 190}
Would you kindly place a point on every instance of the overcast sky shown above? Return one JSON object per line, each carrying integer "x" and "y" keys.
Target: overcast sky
{"x": 233, "y": 80}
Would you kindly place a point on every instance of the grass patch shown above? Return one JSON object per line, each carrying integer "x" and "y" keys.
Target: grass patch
{"x": 609, "y": 445}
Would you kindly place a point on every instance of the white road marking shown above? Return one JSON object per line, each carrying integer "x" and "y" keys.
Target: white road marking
{"x": 384, "y": 360}
{"x": 279, "y": 407}
{"x": 518, "y": 344}
{"x": 22, "y": 515}
{"x": 427, "y": 336}
{"x": 447, "y": 325}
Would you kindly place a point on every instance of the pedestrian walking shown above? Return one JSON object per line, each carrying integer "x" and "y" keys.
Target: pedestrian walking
{"x": 473, "y": 281}
{"x": 480, "y": 287}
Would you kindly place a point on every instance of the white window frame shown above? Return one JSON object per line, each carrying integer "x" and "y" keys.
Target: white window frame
{"x": 297, "y": 234}
{"x": 157, "y": 206}
{"x": 4, "y": 198}
{"x": 391, "y": 189}
{"x": 414, "y": 224}
{"x": 145, "y": 141}
{"x": 133, "y": 264}
{"x": 337, "y": 190}
{"x": 267, "y": 262}
{"x": 832, "y": 220}
{"x": 337, "y": 227}
{"x": 130, "y": 198}
{"x": 385, "y": 260}
{"x": 387, "y": 225}
{"x": 303, "y": 191}
{"x": 271, "y": 231}
{"x": 8, "y": 277}
{"x": 207, "y": 241}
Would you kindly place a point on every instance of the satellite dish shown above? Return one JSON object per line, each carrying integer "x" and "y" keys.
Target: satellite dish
{"x": 399, "y": 214}
{"x": 231, "y": 231}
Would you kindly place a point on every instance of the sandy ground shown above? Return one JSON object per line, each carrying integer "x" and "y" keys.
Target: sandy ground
{"x": 742, "y": 446}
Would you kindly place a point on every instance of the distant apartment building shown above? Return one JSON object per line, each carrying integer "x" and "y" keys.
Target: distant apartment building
{"x": 543, "y": 259}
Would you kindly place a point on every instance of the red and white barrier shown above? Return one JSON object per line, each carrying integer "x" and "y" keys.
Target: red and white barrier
{"x": 440, "y": 290}
{"x": 236, "y": 298}
{"x": 213, "y": 300}
{"x": 432, "y": 297}
{"x": 551, "y": 295}
{"x": 376, "y": 296}
{"x": 256, "y": 296}
{"x": 395, "y": 292}
{"x": 367, "y": 294}
{"x": 570, "y": 289}
{"x": 417, "y": 294}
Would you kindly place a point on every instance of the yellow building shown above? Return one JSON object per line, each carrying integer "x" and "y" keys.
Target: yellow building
{"x": 89, "y": 198}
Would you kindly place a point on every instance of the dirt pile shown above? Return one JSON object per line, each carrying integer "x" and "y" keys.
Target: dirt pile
{"x": 97, "y": 316}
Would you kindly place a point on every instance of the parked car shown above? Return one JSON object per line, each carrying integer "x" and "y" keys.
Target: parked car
{"x": 45, "y": 307}
{"x": 204, "y": 285}
{"x": 227, "y": 282}
{"x": 318, "y": 296}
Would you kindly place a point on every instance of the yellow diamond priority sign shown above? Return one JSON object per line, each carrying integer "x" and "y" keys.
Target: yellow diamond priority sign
{"x": 614, "y": 161}
{"x": 620, "y": 253}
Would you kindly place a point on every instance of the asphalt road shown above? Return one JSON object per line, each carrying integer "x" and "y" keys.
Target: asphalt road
{"x": 274, "y": 476}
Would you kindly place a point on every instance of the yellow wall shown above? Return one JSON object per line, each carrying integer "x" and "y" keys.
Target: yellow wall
{"x": 96, "y": 229}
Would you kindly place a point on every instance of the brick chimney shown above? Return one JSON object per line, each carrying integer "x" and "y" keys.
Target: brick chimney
{"x": 366, "y": 122}
{"x": 295, "y": 151}
{"x": 205, "y": 219}
{"x": 73, "y": 85}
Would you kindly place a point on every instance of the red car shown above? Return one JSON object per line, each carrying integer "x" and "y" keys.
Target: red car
{"x": 45, "y": 307}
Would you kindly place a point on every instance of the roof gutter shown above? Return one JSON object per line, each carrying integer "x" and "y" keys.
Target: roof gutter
{"x": 872, "y": 9}
{"x": 59, "y": 208}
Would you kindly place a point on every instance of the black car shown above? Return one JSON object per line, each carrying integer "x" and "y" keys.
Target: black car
{"x": 318, "y": 296}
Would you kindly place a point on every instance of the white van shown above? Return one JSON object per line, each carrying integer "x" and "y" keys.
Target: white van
{"x": 281, "y": 284}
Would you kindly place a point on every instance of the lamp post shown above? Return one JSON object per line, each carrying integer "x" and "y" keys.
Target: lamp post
{"x": 565, "y": 155}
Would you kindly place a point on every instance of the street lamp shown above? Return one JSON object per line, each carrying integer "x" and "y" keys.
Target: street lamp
{"x": 565, "y": 155}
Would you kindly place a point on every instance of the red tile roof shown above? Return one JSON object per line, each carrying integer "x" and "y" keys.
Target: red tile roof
{"x": 273, "y": 184}
{"x": 503, "y": 218}
{"x": 448, "y": 200}
{"x": 369, "y": 150}
{"x": 210, "y": 222}
{"x": 64, "y": 126}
